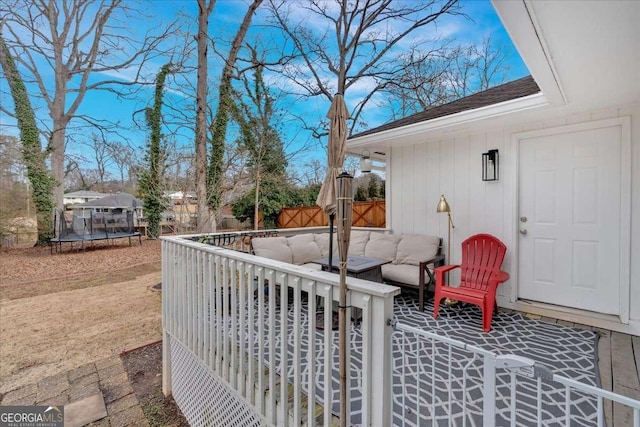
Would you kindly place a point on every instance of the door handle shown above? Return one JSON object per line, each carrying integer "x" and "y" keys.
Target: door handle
{"x": 523, "y": 231}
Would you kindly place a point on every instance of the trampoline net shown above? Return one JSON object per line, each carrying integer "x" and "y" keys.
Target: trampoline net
{"x": 88, "y": 224}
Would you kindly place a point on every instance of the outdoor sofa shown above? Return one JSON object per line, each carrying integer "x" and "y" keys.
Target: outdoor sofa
{"x": 412, "y": 257}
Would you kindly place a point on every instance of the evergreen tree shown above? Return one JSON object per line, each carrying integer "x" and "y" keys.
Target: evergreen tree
{"x": 361, "y": 195}
{"x": 266, "y": 159}
{"x": 372, "y": 188}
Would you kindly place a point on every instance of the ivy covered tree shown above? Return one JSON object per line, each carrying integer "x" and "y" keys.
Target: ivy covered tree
{"x": 209, "y": 168}
{"x": 152, "y": 176}
{"x": 42, "y": 183}
{"x": 260, "y": 141}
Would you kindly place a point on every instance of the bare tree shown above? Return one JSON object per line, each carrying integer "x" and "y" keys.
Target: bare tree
{"x": 209, "y": 168}
{"x": 123, "y": 157}
{"x": 101, "y": 156}
{"x": 442, "y": 73}
{"x": 77, "y": 177}
{"x": 355, "y": 41}
{"x": 218, "y": 127}
{"x": 73, "y": 41}
{"x": 205, "y": 216}
{"x": 475, "y": 68}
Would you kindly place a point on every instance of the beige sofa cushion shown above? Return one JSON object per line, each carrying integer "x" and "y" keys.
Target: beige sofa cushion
{"x": 322, "y": 239}
{"x": 358, "y": 242}
{"x": 303, "y": 248}
{"x": 403, "y": 273}
{"x": 272, "y": 248}
{"x": 383, "y": 246}
{"x": 414, "y": 248}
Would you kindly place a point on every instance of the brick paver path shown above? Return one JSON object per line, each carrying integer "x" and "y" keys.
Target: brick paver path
{"x": 105, "y": 376}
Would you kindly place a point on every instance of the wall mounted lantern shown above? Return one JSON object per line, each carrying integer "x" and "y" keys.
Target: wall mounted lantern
{"x": 365, "y": 162}
{"x": 491, "y": 165}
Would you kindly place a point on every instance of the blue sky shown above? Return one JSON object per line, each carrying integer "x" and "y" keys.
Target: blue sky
{"x": 225, "y": 18}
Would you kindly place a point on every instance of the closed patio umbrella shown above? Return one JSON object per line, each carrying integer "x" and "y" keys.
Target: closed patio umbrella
{"x": 328, "y": 201}
{"x": 337, "y": 151}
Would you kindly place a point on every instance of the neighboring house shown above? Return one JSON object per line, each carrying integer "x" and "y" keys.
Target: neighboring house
{"x": 83, "y": 196}
{"x": 567, "y": 202}
{"x": 113, "y": 203}
{"x": 181, "y": 197}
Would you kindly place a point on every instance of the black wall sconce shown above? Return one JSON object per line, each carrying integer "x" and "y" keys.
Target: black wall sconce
{"x": 491, "y": 165}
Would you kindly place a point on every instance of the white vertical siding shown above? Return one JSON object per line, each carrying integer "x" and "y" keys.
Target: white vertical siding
{"x": 421, "y": 198}
{"x": 635, "y": 209}
{"x": 421, "y": 172}
{"x": 431, "y": 187}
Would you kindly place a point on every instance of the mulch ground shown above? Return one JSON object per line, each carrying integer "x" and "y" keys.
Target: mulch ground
{"x": 144, "y": 369}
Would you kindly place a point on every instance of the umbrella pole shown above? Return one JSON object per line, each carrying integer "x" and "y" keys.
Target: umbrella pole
{"x": 345, "y": 217}
{"x": 342, "y": 342}
{"x": 332, "y": 217}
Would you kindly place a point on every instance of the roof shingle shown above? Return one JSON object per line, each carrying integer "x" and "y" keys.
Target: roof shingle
{"x": 516, "y": 89}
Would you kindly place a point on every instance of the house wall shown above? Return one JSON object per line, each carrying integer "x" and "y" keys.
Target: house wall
{"x": 419, "y": 173}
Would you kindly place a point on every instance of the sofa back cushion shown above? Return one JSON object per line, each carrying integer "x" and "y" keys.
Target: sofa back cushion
{"x": 414, "y": 248}
{"x": 322, "y": 239}
{"x": 358, "y": 242}
{"x": 303, "y": 248}
{"x": 272, "y": 248}
{"x": 383, "y": 246}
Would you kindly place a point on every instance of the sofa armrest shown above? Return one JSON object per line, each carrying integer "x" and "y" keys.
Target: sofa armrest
{"x": 437, "y": 261}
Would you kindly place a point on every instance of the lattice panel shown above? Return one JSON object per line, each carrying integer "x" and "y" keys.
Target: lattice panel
{"x": 203, "y": 399}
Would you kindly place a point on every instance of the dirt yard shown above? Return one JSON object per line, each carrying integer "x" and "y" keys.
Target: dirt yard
{"x": 60, "y": 311}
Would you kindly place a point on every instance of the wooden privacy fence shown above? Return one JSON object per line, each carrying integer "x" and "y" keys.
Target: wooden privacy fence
{"x": 365, "y": 214}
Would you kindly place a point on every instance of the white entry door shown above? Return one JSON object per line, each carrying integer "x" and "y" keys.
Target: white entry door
{"x": 569, "y": 219}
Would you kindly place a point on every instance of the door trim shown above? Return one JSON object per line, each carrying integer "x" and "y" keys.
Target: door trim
{"x": 625, "y": 200}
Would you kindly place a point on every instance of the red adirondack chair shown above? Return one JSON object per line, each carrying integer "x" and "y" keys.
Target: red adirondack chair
{"x": 482, "y": 257}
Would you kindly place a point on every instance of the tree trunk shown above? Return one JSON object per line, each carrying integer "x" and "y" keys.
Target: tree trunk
{"x": 206, "y": 218}
{"x": 57, "y": 159}
{"x": 219, "y": 125}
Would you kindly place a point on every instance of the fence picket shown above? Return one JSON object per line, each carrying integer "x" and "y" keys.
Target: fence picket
{"x": 365, "y": 214}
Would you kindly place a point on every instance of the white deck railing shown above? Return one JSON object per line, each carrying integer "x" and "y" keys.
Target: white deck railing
{"x": 449, "y": 382}
{"x": 223, "y": 335}
{"x": 235, "y": 354}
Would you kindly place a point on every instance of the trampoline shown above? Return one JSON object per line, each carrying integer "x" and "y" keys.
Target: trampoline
{"x": 87, "y": 225}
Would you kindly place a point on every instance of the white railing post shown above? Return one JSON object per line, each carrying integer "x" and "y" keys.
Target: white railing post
{"x": 167, "y": 284}
{"x": 381, "y": 357}
{"x": 489, "y": 391}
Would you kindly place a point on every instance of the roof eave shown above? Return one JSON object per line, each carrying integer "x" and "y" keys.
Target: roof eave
{"x": 453, "y": 121}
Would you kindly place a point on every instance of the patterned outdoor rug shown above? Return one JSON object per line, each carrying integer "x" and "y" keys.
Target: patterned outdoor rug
{"x": 569, "y": 352}
{"x": 418, "y": 400}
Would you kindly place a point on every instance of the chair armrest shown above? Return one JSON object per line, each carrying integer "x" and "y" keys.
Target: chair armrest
{"x": 496, "y": 279}
{"x": 500, "y": 276}
{"x": 440, "y": 273}
{"x": 436, "y": 261}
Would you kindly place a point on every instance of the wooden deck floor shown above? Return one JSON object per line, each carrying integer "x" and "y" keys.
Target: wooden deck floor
{"x": 619, "y": 366}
